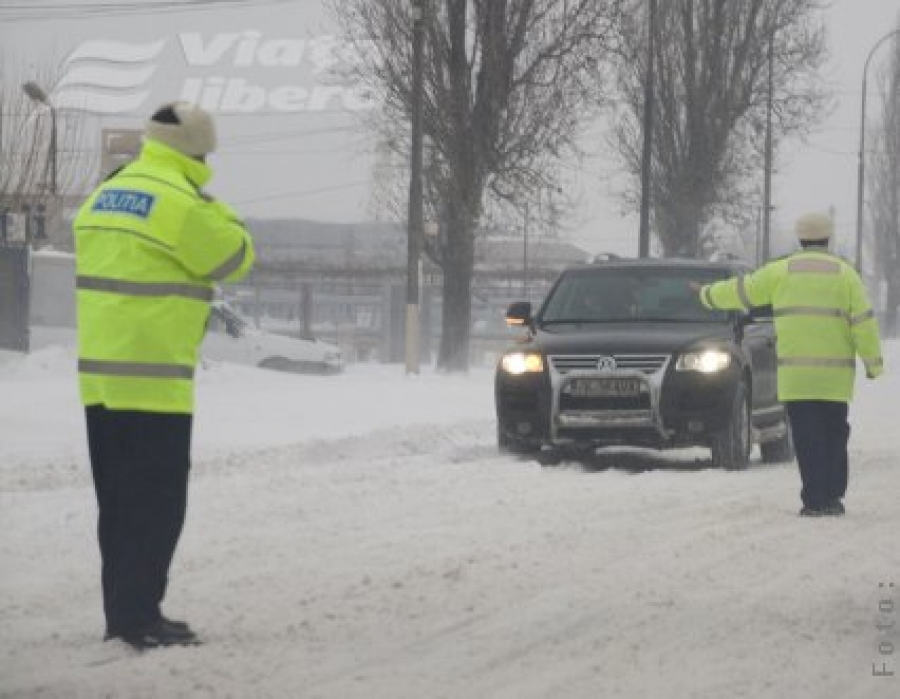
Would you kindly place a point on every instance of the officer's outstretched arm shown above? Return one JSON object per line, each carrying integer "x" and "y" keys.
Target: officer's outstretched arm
{"x": 214, "y": 244}
{"x": 739, "y": 293}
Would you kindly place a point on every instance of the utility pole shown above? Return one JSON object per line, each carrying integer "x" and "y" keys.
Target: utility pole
{"x": 757, "y": 258}
{"x": 415, "y": 214}
{"x": 767, "y": 166}
{"x": 861, "y": 175}
{"x": 647, "y": 154}
{"x": 527, "y": 223}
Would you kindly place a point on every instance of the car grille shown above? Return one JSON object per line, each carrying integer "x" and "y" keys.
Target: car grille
{"x": 609, "y": 403}
{"x": 645, "y": 363}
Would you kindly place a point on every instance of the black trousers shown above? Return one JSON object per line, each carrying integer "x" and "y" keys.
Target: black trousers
{"x": 820, "y": 431}
{"x": 140, "y": 463}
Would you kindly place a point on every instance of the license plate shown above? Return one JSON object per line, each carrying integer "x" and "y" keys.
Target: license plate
{"x": 593, "y": 388}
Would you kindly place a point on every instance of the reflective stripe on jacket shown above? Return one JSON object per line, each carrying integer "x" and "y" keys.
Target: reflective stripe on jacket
{"x": 149, "y": 249}
{"x": 823, "y": 319}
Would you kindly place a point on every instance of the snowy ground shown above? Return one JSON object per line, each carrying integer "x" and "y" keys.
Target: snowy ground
{"x": 360, "y": 536}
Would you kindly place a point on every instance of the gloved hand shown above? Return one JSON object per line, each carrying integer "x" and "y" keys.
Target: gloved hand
{"x": 874, "y": 373}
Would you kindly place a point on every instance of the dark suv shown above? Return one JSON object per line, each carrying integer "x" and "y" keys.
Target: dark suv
{"x": 622, "y": 352}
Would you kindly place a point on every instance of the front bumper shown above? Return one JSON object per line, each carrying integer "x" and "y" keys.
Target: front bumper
{"x": 672, "y": 408}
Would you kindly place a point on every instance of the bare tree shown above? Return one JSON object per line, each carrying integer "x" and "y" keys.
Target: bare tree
{"x": 884, "y": 191}
{"x": 27, "y": 178}
{"x": 710, "y": 98}
{"x": 507, "y": 85}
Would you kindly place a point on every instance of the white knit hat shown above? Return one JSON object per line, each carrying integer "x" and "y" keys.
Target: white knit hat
{"x": 815, "y": 227}
{"x": 183, "y": 126}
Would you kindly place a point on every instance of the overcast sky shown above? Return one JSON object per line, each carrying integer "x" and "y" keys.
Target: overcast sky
{"x": 290, "y": 142}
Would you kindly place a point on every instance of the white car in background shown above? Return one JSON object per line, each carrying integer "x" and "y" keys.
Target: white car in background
{"x": 231, "y": 338}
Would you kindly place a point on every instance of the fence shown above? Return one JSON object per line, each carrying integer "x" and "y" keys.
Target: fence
{"x": 366, "y": 314}
{"x": 14, "y": 298}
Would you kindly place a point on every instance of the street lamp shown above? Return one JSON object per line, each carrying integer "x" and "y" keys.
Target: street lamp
{"x": 35, "y": 92}
{"x": 860, "y": 187}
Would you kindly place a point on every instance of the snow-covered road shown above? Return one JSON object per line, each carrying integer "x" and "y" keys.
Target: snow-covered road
{"x": 360, "y": 536}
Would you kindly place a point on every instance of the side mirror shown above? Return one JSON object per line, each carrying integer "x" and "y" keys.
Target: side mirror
{"x": 519, "y": 314}
{"x": 758, "y": 314}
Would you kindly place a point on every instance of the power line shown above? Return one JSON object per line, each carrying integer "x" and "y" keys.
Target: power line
{"x": 132, "y": 7}
{"x": 303, "y": 193}
{"x": 71, "y": 10}
{"x": 248, "y": 139}
{"x": 229, "y": 152}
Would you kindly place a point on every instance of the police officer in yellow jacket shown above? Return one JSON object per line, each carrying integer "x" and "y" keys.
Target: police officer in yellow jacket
{"x": 150, "y": 247}
{"x": 823, "y": 320}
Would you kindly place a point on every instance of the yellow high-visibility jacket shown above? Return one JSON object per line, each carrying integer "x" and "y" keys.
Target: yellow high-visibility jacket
{"x": 149, "y": 248}
{"x": 823, "y": 319}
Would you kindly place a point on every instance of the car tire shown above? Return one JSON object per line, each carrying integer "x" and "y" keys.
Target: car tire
{"x": 780, "y": 450}
{"x": 511, "y": 445}
{"x": 276, "y": 364}
{"x": 730, "y": 446}
{"x": 554, "y": 456}
{"x": 550, "y": 457}
{"x": 293, "y": 366}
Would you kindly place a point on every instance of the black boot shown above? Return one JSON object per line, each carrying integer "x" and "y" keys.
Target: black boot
{"x": 177, "y": 627}
{"x": 156, "y": 634}
{"x": 835, "y": 508}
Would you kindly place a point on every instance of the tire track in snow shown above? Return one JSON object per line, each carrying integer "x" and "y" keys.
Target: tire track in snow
{"x": 453, "y": 443}
{"x": 689, "y": 573}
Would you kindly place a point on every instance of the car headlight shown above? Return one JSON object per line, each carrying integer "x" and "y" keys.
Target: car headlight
{"x": 522, "y": 363}
{"x": 708, "y": 361}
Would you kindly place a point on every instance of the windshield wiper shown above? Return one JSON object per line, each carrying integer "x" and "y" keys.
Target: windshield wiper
{"x": 584, "y": 321}
{"x": 678, "y": 320}
{"x": 629, "y": 319}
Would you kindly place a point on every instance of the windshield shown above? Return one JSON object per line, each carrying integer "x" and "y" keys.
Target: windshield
{"x": 621, "y": 294}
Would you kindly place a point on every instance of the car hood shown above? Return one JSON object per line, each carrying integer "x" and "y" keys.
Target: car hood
{"x": 292, "y": 347}
{"x": 636, "y": 338}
